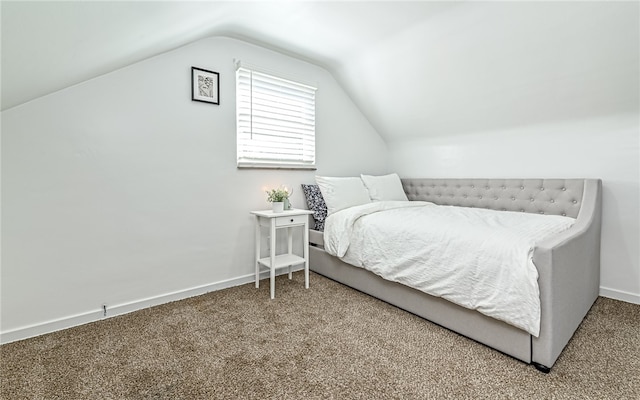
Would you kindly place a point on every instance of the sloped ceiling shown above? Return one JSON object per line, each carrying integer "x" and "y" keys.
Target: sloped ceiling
{"x": 413, "y": 68}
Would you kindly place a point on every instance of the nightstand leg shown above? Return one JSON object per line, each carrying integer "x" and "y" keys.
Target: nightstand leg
{"x": 257, "y": 252}
{"x": 290, "y": 246}
{"x": 305, "y": 250}
{"x": 272, "y": 266}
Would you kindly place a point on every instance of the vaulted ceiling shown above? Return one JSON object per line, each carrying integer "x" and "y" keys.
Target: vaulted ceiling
{"x": 413, "y": 68}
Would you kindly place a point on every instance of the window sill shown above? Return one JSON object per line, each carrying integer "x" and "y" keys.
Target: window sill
{"x": 277, "y": 166}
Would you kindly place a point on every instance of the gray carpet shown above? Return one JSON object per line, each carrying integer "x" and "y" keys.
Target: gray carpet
{"x": 327, "y": 342}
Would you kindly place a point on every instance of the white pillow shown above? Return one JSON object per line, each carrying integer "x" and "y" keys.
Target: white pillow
{"x": 384, "y": 188}
{"x": 341, "y": 193}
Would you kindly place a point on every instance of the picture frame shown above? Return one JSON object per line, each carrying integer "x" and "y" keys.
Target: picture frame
{"x": 205, "y": 86}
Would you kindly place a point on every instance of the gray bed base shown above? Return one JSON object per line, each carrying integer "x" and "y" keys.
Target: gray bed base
{"x": 568, "y": 263}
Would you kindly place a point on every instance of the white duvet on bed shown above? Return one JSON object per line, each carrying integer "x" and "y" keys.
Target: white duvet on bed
{"x": 477, "y": 258}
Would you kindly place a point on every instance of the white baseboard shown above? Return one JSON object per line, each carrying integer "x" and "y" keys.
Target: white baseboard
{"x": 119, "y": 309}
{"x": 620, "y": 295}
{"x": 26, "y": 332}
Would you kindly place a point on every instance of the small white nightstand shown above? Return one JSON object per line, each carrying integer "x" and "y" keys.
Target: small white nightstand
{"x": 288, "y": 219}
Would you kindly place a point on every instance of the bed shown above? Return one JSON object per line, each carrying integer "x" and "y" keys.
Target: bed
{"x": 567, "y": 263}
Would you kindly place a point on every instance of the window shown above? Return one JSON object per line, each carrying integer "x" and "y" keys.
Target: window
{"x": 275, "y": 121}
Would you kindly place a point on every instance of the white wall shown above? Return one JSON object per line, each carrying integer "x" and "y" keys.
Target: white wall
{"x": 605, "y": 148}
{"x": 123, "y": 191}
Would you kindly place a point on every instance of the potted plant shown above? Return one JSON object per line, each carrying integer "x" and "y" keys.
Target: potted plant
{"x": 277, "y": 198}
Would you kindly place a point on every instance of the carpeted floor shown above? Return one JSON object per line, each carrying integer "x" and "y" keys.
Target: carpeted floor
{"x": 327, "y": 342}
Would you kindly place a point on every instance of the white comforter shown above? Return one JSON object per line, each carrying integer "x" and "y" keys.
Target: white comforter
{"x": 477, "y": 258}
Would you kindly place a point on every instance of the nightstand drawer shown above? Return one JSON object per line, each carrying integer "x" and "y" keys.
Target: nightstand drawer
{"x": 291, "y": 220}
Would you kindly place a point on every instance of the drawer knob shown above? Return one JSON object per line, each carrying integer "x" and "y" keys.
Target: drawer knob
{"x": 291, "y": 219}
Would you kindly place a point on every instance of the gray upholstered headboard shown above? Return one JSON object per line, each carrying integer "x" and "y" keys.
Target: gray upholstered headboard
{"x": 540, "y": 196}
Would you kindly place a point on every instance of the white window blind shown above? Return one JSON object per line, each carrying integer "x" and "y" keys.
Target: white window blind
{"x": 275, "y": 121}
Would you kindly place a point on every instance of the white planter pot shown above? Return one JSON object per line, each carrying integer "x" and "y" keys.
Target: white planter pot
{"x": 278, "y": 206}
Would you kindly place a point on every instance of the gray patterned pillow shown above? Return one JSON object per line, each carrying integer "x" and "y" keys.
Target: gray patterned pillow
{"x": 316, "y": 203}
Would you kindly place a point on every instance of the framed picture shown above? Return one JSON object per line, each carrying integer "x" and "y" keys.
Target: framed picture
{"x": 205, "y": 86}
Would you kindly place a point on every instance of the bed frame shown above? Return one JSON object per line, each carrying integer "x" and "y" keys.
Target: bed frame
{"x": 568, "y": 263}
